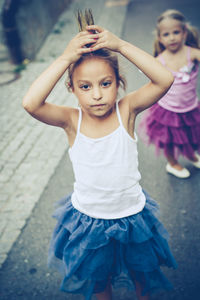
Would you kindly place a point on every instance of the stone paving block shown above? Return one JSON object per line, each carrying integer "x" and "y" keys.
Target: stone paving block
{"x": 3, "y": 199}
{"x": 9, "y": 188}
{"x": 5, "y": 175}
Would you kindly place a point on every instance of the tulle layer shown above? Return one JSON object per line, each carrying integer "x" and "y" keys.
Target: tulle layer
{"x": 89, "y": 252}
{"x": 177, "y": 133}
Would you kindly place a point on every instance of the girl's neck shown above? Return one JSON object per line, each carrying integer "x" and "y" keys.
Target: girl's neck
{"x": 96, "y": 127}
{"x": 175, "y": 60}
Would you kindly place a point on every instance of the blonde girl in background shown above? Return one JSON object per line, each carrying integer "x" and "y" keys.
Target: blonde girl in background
{"x": 173, "y": 123}
{"x": 107, "y": 232}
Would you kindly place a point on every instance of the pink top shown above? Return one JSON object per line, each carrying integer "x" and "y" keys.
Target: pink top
{"x": 182, "y": 96}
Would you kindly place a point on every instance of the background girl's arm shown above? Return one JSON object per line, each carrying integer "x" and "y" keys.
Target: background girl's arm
{"x": 160, "y": 78}
{"x": 35, "y": 99}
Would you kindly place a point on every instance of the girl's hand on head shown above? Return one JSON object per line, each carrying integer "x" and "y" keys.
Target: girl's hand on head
{"x": 105, "y": 39}
{"x": 77, "y": 46}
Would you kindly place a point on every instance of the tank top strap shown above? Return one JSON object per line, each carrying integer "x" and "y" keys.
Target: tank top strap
{"x": 118, "y": 113}
{"x": 79, "y": 120}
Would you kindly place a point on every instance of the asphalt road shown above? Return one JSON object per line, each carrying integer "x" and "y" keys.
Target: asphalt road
{"x": 25, "y": 275}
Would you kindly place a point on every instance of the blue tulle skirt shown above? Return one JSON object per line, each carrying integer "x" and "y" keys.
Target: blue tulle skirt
{"x": 90, "y": 252}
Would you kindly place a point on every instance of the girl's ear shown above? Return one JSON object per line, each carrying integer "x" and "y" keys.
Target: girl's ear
{"x": 69, "y": 87}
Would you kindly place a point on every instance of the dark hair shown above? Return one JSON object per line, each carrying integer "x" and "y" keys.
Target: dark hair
{"x": 192, "y": 38}
{"x": 83, "y": 20}
{"x": 103, "y": 54}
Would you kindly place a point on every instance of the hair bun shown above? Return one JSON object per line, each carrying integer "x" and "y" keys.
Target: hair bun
{"x": 84, "y": 19}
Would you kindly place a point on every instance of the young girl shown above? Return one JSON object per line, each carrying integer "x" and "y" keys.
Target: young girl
{"x": 107, "y": 232}
{"x": 173, "y": 123}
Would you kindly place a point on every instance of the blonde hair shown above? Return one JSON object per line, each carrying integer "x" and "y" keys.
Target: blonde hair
{"x": 192, "y": 38}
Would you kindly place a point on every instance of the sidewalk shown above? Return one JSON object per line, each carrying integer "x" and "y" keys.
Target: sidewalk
{"x": 29, "y": 150}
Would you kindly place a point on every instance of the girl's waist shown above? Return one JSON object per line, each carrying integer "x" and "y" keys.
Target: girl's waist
{"x": 179, "y": 103}
{"x": 109, "y": 204}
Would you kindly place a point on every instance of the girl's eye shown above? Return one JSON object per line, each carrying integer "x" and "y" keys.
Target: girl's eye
{"x": 84, "y": 87}
{"x": 165, "y": 34}
{"x": 106, "y": 83}
{"x": 176, "y": 32}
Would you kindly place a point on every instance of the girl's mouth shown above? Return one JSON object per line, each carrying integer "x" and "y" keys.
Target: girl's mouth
{"x": 98, "y": 105}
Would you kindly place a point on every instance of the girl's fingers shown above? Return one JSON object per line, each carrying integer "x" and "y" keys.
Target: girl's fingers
{"x": 84, "y": 39}
{"x": 92, "y": 37}
{"x": 88, "y": 41}
{"x": 98, "y": 46}
{"x": 85, "y": 50}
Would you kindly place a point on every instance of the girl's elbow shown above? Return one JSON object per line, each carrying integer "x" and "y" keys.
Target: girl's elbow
{"x": 27, "y": 106}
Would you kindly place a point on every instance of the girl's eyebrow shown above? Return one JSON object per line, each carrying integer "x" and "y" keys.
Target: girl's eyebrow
{"x": 83, "y": 81}
{"x": 104, "y": 78}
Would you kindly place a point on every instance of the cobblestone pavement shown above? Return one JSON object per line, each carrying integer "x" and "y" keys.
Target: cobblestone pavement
{"x": 30, "y": 150}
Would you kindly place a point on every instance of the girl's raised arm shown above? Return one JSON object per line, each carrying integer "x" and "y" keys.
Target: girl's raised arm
{"x": 160, "y": 78}
{"x": 34, "y": 100}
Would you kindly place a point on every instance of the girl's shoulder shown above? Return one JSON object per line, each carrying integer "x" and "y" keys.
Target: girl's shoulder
{"x": 195, "y": 54}
{"x": 163, "y": 57}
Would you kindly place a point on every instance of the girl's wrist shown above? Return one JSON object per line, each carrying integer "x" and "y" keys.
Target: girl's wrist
{"x": 64, "y": 60}
{"x": 122, "y": 46}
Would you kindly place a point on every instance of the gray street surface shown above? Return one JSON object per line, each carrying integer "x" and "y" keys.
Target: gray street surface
{"x": 36, "y": 172}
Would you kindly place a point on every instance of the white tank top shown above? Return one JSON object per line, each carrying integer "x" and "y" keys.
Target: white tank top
{"x": 106, "y": 174}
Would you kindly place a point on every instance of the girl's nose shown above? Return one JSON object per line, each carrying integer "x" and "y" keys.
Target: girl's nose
{"x": 97, "y": 94}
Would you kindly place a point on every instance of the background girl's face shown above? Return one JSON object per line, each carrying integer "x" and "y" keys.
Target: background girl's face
{"x": 95, "y": 86}
{"x": 171, "y": 34}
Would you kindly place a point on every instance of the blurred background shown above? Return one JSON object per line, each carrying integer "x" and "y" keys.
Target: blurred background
{"x": 35, "y": 170}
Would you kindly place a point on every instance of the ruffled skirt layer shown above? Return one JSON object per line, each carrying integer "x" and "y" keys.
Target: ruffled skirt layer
{"x": 170, "y": 132}
{"x": 90, "y": 252}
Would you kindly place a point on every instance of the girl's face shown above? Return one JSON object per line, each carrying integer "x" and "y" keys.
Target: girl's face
{"x": 95, "y": 86}
{"x": 171, "y": 34}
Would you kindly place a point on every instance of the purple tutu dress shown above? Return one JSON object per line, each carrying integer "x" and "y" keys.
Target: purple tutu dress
{"x": 177, "y": 133}
{"x": 173, "y": 124}
{"x": 88, "y": 252}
